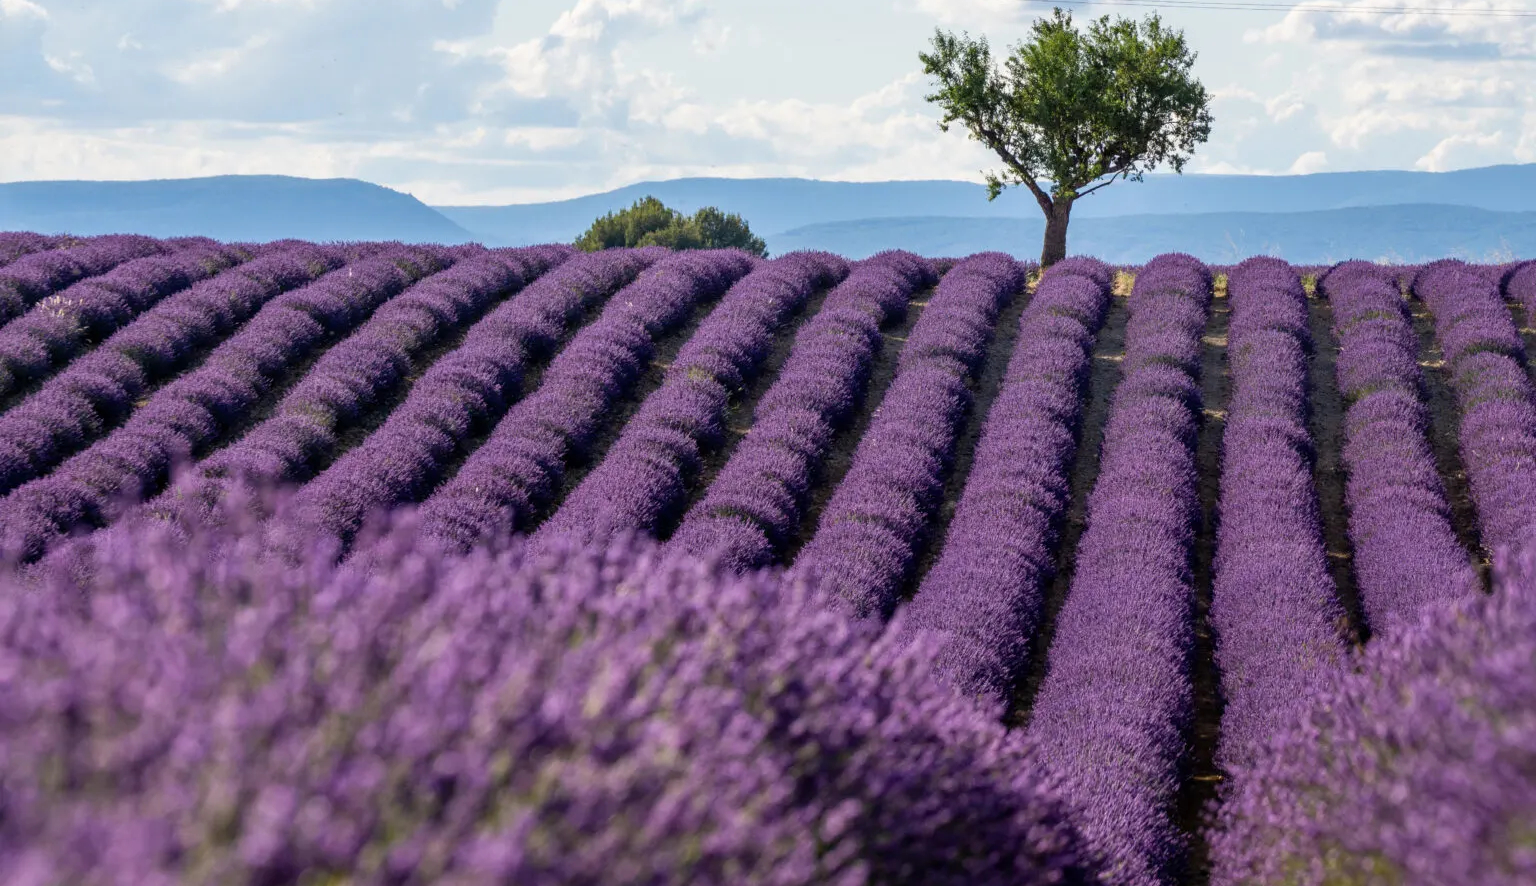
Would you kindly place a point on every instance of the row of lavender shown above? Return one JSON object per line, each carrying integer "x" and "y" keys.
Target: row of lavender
{"x": 644, "y": 476}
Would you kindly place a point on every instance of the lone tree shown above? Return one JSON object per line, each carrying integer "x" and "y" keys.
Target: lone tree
{"x": 1114, "y": 102}
{"x": 650, "y": 223}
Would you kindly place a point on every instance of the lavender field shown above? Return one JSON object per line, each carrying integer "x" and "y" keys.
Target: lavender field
{"x": 389, "y": 563}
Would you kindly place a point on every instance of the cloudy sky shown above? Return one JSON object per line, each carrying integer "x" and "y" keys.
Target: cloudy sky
{"x": 502, "y": 101}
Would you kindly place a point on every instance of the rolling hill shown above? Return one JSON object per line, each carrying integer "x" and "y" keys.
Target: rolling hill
{"x": 776, "y": 205}
{"x": 1405, "y": 233}
{"x": 226, "y": 207}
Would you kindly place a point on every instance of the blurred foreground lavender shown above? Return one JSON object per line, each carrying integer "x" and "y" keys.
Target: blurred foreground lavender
{"x": 1419, "y": 769}
{"x": 197, "y": 713}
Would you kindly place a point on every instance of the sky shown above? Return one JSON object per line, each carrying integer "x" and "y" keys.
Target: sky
{"x": 464, "y": 102}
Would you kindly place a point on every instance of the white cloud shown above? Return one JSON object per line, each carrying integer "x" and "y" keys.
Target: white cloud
{"x": 1234, "y": 92}
{"x": 1308, "y": 163}
{"x": 73, "y": 67}
{"x": 21, "y": 9}
{"x": 1284, "y": 106}
{"x": 482, "y": 101}
{"x": 1438, "y": 91}
{"x": 1225, "y": 167}
{"x": 712, "y": 38}
{"x": 1457, "y": 151}
{"x": 955, "y": 12}
{"x": 213, "y": 64}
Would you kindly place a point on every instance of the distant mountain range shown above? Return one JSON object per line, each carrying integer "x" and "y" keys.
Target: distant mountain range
{"x": 226, "y": 207}
{"x": 776, "y": 205}
{"x": 1399, "y": 234}
{"x": 1484, "y": 213}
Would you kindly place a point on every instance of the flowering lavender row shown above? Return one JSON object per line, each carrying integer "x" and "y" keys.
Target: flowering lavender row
{"x": 101, "y": 388}
{"x": 985, "y": 593}
{"x": 1418, "y": 768}
{"x": 1526, "y": 271}
{"x": 401, "y": 461}
{"x": 477, "y": 377}
{"x": 38, "y": 275}
{"x": 359, "y": 372}
{"x": 1519, "y": 286}
{"x": 645, "y": 473}
{"x": 184, "y": 418}
{"x": 1405, "y": 551}
{"x": 60, "y": 326}
{"x": 1117, "y": 701}
{"x": 1485, "y": 356}
{"x": 198, "y": 713}
{"x": 866, "y": 542}
{"x": 756, "y": 501}
{"x": 1276, "y": 617}
{"x": 15, "y": 244}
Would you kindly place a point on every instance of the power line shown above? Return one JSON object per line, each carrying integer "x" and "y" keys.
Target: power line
{"x": 1247, "y": 6}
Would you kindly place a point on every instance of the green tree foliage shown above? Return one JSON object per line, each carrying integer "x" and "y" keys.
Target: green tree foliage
{"x": 720, "y": 230}
{"x": 1081, "y": 108}
{"x": 650, "y": 223}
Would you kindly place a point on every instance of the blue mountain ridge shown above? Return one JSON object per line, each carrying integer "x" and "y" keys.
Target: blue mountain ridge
{"x": 1404, "y": 233}
{"x": 777, "y": 205}
{"x": 226, "y": 207}
{"x": 1397, "y": 215}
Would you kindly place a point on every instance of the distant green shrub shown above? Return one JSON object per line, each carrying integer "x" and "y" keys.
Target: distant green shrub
{"x": 650, "y": 223}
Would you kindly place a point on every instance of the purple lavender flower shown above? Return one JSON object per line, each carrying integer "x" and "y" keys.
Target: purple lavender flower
{"x": 202, "y": 713}
{"x": 1112, "y": 713}
{"x": 1494, "y": 396}
{"x": 1405, "y": 551}
{"x": 759, "y": 496}
{"x": 35, "y": 276}
{"x": 60, "y": 326}
{"x": 477, "y": 376}
{"x": 984, "y": 594}
{"x": 399, "y": 463}
{"x": 183, "y": 419}
{"x": 1278, "y": 622}
{"x": 1417, "y": 768}
{"x": 645, "y": 473}
{"x": 101, "y": 388}
{"x": 15, "y": 244}
{"x": 865, "y": 544}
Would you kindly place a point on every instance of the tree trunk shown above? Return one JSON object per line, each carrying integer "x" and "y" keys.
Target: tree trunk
{"x": 1055, "y": 248}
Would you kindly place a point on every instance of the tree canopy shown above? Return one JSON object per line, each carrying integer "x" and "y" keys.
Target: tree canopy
{"x": 650, "y": 223}
{"x": 1080, "y": 108}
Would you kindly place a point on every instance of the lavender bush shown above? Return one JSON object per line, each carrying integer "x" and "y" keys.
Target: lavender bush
{"x": 1494, "y": 396}
{"x": 201, "y": 713}
{"x": 60, "y": 326}
{"x": 1116, "y": 703}
{"x": 1418, "y": 768}
{"x": 1405, "y": 551}
{"x": 645, "y": 474}
{"x": 756, "y": 502}
{"x": 15, "y": 244}
{"x": 525, "y": 455}
{"x": 478, "y": 376}
{"x": 33, "y": 277}
{"x": 101, "y": 388}
{"x": 866, "y": 543}
{"x": 1507, "y": 276}
{"x": 1279, "y": 627}
{"x": 984, "y": 594}
{"x": 183, "y": 419}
